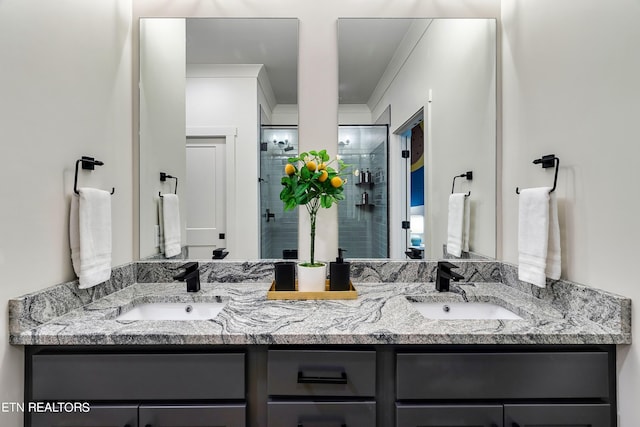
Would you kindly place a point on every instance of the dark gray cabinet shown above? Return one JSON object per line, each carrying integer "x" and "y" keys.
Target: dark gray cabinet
{"x": 192, "y": 415}
{"x": 325, "y": 414}
{"x": 449, "y": 415}
{"x": 324, "y": 386}
{"x": 146, "y": 416}
{"x": 525, "y": 377}
{"x": 557, "y": 415}
{"x": 156, "y": 388}
{"x": 321, "y": 373}
{"x": 138, "y": 376}
{"x": 329, "y": 388}
{"x": 97, "y": 416}
{"x": 503, "y": 375}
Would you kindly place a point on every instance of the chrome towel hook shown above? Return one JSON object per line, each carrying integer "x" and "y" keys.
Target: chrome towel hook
{"x": 548, "y": 161}
{"x": 88, "y": 163}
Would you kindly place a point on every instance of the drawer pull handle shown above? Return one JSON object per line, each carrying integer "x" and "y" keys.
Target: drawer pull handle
{"x": 302, "y": 379}
{"x": 341, "y": 425}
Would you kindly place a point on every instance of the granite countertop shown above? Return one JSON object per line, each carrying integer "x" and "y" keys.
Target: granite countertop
{"x": 382, "y": 314}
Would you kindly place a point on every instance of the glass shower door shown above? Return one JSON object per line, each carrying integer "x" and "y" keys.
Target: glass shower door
{"x": 363, "y": 219}
{"x": 278, "y": 229}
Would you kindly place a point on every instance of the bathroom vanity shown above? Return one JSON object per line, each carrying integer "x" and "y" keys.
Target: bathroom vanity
{"x": 374, "y": 361}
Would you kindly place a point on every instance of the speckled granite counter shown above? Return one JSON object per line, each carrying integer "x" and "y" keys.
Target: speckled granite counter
{"x": 382, "y": 314}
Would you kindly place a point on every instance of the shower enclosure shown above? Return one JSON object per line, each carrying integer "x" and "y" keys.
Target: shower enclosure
{"x": 363, "y": 220}
{"x": 278, "y": 229}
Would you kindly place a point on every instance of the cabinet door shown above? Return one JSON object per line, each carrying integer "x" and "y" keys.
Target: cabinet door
{"x": 557, "y": 415}
{"x": 448, "y": 415}
{"x": 97, "y": 416}
{"x": 192, "y": 415}
{"x": 321, "y": 414}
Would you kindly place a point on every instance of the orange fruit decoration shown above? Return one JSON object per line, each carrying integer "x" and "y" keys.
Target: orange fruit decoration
{"x": 323, "y": 177}
{"x": 311, "y": 165}
{"x": 336, "y": 182}
{"x": 289, "y": 169}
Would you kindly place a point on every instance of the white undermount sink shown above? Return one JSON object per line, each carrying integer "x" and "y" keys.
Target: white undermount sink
{"x": 174, "y": 311}
{"x": 463, "y": 310}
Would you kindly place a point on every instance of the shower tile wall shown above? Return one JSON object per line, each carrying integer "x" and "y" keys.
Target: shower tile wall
{"x": 363, "y": 230}
{"x": 281, "y": 231}
{"x": 380, "y": 233}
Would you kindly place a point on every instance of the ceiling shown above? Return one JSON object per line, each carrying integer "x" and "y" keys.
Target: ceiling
{"x": 269, "y": 41}
{"x": 366, "y": 46}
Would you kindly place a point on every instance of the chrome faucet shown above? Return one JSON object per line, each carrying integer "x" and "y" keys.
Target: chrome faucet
{"x": 191, "y": 275}
{"x": 444, "y": 275}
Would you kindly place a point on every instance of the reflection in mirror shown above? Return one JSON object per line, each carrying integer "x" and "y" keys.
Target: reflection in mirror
{"x": 364, "y": 230}
{"x": 279, "y": 228}
{"x": 432, "y": 82}
{"x": 209, "y": 87}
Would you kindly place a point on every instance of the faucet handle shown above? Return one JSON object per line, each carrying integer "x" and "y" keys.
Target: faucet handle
{"x": 189, "y": 267}
{"x": 446, "y": 266}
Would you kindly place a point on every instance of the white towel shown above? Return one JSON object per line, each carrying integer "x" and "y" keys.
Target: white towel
{"x": 170, "y": 220}
{"x": 538, "y": 236}
{"x": 458, "y": 224}
{"x": 90, "y": 236}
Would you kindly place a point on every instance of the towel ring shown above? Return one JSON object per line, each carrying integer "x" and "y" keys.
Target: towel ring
{"x": 88, "y": 163}
{"x": 163, "y": 178}
{"x": 548, "y": 161}
{"x": 468, "y": 175}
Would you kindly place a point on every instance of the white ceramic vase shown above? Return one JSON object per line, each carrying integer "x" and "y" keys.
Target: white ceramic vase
{"x": 312, "y": 279}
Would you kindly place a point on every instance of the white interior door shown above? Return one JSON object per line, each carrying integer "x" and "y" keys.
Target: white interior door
{"x": 206, "y": 196}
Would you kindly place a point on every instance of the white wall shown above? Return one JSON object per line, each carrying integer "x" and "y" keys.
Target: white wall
{"x": 66, "y": 90}
{"x": 162, "y": 122}
{"x": 455, "y": 60}
{"x": 285, "y": 115}
{"x": 232, "y": 102}
{"x": 318, "y": 68}
{"x": 354, "y": 114}
{"x": 571, "y": 87}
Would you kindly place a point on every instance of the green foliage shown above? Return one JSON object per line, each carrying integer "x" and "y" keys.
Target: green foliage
{"x": 306, "y": 185}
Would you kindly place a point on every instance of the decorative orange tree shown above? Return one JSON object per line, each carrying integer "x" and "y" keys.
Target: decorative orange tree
{"x": 312, "y": 182}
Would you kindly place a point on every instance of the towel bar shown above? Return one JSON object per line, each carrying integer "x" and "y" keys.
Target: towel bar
{"x": 163, "y": 178}
{"x": 468, "y": 175}
{"x": 548, "y": 161}
{"x": 88, "y": 163}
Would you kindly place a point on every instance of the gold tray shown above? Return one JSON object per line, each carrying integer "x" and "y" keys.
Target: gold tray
{"x": 327, "y": 294}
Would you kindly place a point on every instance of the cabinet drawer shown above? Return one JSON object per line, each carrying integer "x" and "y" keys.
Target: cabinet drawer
{"x": 321, "y": 373}
{"x": 596, "y": 415}
{"x": 502, "y": 375}
{"x": 193, "y": 415}
{"x": 448, "y": 415}
{"x": 138, "y": 376}
{"x": 325, "y": 414}
{"x": 97, "y": 416}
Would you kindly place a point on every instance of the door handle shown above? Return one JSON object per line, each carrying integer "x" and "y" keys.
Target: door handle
{"x": 270, "y": 215}
{"x": 302, "y": 379}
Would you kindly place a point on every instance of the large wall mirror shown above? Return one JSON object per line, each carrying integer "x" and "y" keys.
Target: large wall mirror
{"x": 417, "y": 108}
{"x": 218, "y": 117}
